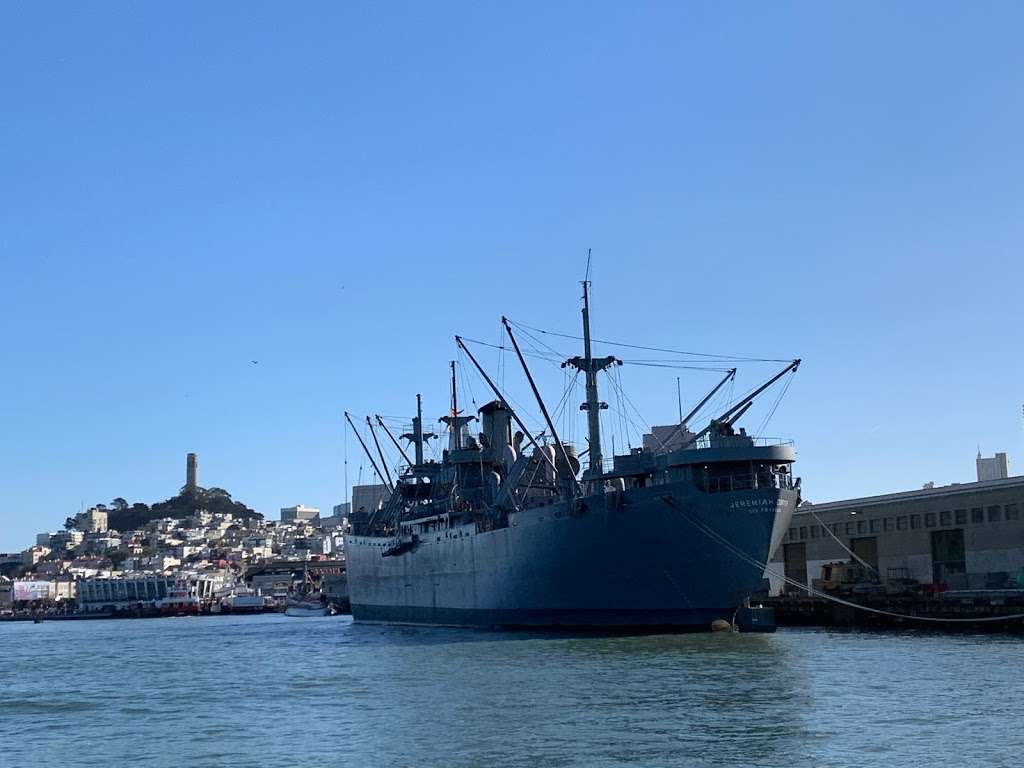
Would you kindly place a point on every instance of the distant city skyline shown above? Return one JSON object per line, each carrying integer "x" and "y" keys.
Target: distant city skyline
{"x": 222, "y": 229}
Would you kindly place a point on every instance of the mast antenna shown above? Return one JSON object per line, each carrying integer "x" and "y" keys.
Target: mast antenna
{"x": 590, "y": 366}
{"x": 456, "y": 423}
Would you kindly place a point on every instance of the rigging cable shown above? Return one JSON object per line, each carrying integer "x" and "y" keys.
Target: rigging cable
{"x": 678, "y": 366}
{"x": 640, "y": 430}
{"x": 623, "y": 431}
{"x": 345, "y": 454}
{"x": 647, "y": 427}
{"x": 503, "y": 348}
{"x": 523, "y": 413}
{"x": 717, "y": 358}
{"x": 778, "y": 399}
{"x": 501, "y": 355}
{"x": 839, "y": 541}
{"x": 560, "y": 406}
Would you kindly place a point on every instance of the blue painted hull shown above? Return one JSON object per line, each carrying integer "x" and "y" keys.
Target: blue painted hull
{"x": 628, "y": 560}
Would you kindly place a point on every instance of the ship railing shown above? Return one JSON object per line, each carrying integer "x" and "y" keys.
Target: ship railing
{"x": 770, "y": 441}
{"x": 744, "y": 481}
{"x": 709, "y": 441}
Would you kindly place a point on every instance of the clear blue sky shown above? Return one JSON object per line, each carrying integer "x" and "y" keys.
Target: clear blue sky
{"x": 334, "y": 189}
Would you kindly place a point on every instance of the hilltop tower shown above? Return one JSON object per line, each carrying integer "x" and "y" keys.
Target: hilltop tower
{"x": 191, "y": 472}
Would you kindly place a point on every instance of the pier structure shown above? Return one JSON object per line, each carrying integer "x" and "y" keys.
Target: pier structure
{"x": 964, "y": 536}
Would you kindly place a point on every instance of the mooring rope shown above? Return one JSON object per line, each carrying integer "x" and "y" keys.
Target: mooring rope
{"x": 839, "y": 541}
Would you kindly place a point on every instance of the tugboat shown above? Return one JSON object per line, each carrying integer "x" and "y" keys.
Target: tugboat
{"x": 505, "y": 531}
{"x": 180, "y": 600}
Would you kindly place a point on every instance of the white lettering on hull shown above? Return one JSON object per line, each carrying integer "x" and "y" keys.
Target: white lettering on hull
{"x": 759, "y": 504}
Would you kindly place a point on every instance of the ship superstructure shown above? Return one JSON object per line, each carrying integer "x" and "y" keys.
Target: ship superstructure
{"x": 505, "y": 530}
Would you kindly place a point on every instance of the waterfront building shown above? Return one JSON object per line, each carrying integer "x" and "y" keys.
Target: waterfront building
{"x": 98, "y": 543}
{"x": 46, "y": 569}
{"x": 299, "y": 512}
{"x": 11, "y": 561}
{"x": 33, "y": 555}
{"x": 992, "y": 468}
{"x": 64, "y": 540}
{"x": 6, "y": 595}
{"x": 93, "y": 520}
{"x": 129, "y": 591}
{"x": 162, "y": 563}
{"x": 84, "y": 567}
{"x": 63, "y": 589}
{"x": 334, "y": 521}
{"x": 95, "y": 594}
{"x": 339, "y": 517}
{"x": 959, "y": 536}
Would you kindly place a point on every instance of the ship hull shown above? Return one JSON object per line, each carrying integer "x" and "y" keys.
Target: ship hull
{"x": 643, "y": 558}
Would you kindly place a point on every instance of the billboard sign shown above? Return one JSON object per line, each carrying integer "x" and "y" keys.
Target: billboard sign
{"x": 32, "y": 590}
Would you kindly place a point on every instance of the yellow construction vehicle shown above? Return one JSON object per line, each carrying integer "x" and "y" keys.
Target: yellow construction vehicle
{"x": 846, "y": 578}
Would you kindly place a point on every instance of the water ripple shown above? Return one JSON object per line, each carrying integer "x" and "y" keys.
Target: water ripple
{"x": 271, "y": 691}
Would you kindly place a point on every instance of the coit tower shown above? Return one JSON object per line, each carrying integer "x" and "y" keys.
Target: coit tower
{"x": 191, "y": 471}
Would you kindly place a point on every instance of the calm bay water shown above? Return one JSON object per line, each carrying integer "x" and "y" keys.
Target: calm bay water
{"x": 275, "y": 691}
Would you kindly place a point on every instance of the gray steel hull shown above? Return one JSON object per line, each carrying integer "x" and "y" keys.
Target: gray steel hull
{"x": 627, "y": 560}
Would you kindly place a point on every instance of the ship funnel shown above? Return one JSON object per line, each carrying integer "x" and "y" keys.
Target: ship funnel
{"x": 573, "y": 466}
{"x": 496, "y": 424}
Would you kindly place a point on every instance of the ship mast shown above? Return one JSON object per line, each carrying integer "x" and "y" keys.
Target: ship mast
{"x": 417, "y": 436}
{"x": 590, "y": 367}
{"x": 455, "y": 422}
{"x": 455, "y": 402}
{"x": 417, "y": 430}
{"x": 593, "y": 404}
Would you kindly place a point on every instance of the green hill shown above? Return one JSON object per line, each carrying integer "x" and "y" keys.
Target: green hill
{"x": 188, "y": 503}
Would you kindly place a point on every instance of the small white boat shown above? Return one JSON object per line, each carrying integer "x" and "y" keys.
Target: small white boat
{"x": 308, "y": 601}
{"x": 243, "y": 600}
{"x": 308, "y": 607}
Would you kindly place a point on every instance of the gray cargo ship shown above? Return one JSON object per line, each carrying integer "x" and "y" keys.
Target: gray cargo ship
{"x": 505, "y": 531}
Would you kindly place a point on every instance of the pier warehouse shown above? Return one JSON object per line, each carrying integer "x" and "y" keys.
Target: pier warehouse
{"x": 961, "y": 536}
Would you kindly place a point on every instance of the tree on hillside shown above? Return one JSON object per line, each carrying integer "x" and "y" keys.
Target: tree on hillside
{"x": 185, "y": 505}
